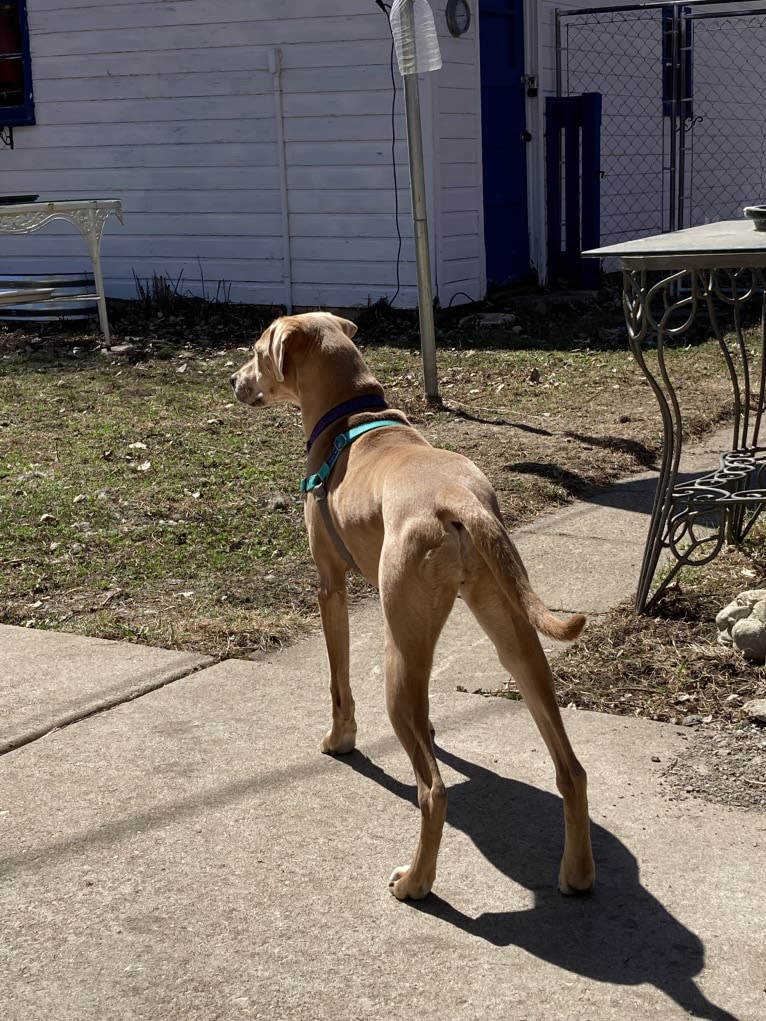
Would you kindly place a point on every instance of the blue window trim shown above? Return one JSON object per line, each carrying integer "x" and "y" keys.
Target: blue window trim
{"x": 21, "y": 113}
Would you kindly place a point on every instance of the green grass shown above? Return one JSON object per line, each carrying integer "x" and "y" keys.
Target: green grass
{"x": 171, "y": 530}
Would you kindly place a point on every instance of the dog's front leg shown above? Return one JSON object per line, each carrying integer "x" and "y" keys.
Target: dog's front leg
{"x": 341, "y": 737}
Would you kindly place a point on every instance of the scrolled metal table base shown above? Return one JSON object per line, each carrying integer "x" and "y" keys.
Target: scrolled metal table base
{"x": 692, "y": 520}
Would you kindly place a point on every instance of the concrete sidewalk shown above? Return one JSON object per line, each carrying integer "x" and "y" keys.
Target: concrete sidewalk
{"x": 189, "y": 853}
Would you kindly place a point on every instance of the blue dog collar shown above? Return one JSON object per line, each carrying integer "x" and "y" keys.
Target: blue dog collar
{"x": 366, "y": 402}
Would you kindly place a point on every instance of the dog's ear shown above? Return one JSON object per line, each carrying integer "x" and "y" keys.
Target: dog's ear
{"x": 278, "y": 334}
{"x": 347, "y": 326}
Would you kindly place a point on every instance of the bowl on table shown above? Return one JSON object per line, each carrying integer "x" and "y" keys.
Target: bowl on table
{"x": 757, "y": 214}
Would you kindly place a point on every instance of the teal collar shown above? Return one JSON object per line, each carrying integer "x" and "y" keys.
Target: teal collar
{"x": 343, "y": 440}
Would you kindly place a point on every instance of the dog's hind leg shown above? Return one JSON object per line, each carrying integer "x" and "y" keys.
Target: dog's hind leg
{"x": 407, "y": 677}
{"x": 417, "y": 593}
{"x": 333, "y": 606}
{"x": 519, "y": 649}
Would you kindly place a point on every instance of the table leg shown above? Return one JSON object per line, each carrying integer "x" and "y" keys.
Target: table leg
{"x": 692, "y": 520}
{"x": 91, "y": 226}
{"x": 638, "y": 298}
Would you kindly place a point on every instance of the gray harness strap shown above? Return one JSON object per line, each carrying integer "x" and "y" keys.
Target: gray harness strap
{"x": 320, "y": 495}
{"x": 316, "y": 483}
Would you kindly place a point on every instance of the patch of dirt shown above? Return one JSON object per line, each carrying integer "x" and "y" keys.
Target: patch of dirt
{"x": 661, "y": 667}
{"x": 670, "y": 667}
{"x": 144, "y": 329}
{"x": 165, "y": 317}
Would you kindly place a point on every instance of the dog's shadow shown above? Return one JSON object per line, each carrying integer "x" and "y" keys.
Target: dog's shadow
{"x": 620, "y": 934}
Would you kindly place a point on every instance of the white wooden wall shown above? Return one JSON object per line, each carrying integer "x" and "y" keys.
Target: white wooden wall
{"x": 170, "y": 107}
{"x": 458, "y": 196}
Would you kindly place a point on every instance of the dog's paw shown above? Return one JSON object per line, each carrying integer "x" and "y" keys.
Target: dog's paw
{"x": 576, "y": 882}
{"x": 339, "y": 740}
{"x": 403, "y": 887}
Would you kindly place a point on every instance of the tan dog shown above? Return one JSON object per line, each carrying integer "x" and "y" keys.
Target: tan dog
{"x": 422, "y": 525}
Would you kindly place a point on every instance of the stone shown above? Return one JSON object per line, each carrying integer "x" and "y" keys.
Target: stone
{"x": 491, "y": 320}
{"x": 488, "y": 321}
{"x": 278, "y": 502}
{"x": 755, "y": 710}
{"x": 742, "y": 624}
{"x": 730, "y": 613}
{"x": 749, "y": 636}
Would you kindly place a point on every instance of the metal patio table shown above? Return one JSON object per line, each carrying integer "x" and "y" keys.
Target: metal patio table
{"x": 88, "y": 216}
{"x": 668, "y": 279}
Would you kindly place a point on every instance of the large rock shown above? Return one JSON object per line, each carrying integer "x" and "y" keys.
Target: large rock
{"x": 755, "y": 710}
{"x": 742, "y": 624}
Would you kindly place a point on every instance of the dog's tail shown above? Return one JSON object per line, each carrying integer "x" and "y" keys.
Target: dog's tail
{"x": 498, "y": 551}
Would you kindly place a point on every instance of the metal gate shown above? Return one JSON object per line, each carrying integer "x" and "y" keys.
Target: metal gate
{"x": 683, "y": 126}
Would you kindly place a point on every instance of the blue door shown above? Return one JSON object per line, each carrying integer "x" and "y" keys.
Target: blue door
{"x": 506, "y": 235}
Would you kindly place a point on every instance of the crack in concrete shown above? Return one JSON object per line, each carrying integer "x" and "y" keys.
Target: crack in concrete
{"x": 101, "y": 706}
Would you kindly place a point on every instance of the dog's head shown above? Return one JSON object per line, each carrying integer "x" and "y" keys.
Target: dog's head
{"x": 272, "y": 374}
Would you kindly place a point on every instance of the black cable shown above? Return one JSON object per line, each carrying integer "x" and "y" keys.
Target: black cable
{"x": 383, "y": 8}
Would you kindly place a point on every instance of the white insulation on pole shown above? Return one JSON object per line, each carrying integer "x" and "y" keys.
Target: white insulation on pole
{"x": 417, "y": 50}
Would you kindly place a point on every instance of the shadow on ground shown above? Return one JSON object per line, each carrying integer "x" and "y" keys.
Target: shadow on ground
{"x": 469, "y": 416}
{"x": 620, "y": 934}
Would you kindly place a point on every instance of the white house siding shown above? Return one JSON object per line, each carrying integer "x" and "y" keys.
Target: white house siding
{"x": 458, "y": 197}
{"x": 170, "y": 107}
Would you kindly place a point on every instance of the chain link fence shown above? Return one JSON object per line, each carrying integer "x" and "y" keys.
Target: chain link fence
{"x": 683, "y": 130}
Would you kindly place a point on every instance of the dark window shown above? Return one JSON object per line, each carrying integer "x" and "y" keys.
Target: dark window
{"x": 16, "y": 103}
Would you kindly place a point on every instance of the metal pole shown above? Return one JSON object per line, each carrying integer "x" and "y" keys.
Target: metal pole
{"x": 420, "y": 222}
{"x": 672, "y": 52}
{"x": 275, "y": 66}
